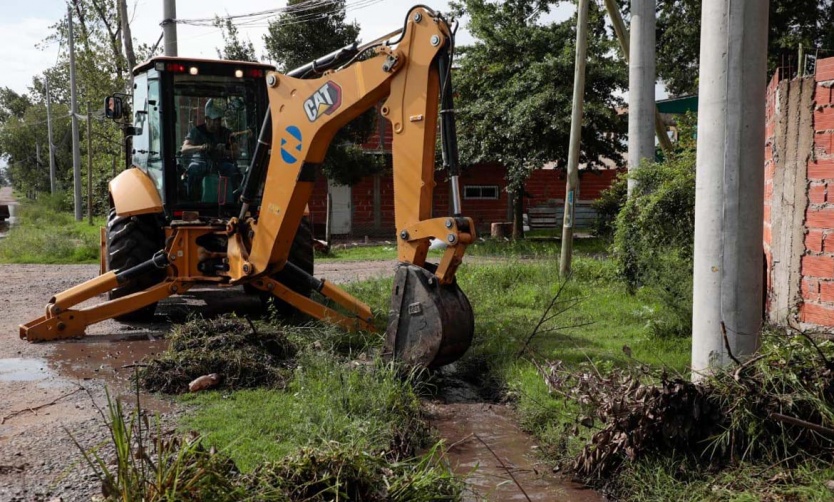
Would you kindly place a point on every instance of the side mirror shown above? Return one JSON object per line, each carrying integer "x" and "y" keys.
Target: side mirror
{"x": 113, "y": 107}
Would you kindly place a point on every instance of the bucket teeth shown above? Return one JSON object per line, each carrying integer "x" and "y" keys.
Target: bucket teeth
{"x": 430, "y": 324}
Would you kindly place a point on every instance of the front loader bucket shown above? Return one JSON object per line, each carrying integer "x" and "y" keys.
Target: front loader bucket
{"x": 430, "y": 324}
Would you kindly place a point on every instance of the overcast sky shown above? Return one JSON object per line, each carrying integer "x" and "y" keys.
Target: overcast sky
{"x": 25, "y": 23}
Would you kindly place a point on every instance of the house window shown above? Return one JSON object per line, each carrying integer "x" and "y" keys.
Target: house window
{"x": 480, "y": 192}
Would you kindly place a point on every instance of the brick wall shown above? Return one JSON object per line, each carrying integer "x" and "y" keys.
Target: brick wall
{"x": 818, "y": 262}
{"x": 799, "y": 196}
{"x": 546, "y": 188}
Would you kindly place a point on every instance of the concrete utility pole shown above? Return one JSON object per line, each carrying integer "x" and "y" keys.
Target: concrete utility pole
{"x": 169, "y": 27}
{"x": 623, "y": 36}
{"x": 729, "y": 187}
{"x": 641, "y": 81}
{"x": 572, "y": 188}
{"x": 76, "y": 150}
{"x": 52, "y": 186}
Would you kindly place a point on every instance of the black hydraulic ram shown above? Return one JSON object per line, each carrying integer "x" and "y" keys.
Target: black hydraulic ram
{"x": 448, "y": 131}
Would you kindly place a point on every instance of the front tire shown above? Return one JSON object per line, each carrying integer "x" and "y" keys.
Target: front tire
{"x": 132, "y": 240}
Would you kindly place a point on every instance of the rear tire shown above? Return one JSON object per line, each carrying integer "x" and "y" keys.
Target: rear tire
{"x": 132, "y": 240}
{"x": 302, "y": 256}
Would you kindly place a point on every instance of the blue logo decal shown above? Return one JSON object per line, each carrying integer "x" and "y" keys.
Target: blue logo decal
{"x": 290, "y": 144}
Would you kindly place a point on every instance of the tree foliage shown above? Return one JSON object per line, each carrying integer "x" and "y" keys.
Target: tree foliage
{"x": 101, "y": 69}
{"x": 514, "y": 89}
{"x": 303, "y": 34}
{"x": 653, "y": 236}
{"x": 791, "y": 23}
{"x": 234, "y": 48}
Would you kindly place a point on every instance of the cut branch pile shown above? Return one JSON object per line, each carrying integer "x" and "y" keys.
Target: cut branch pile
{"x": 777, "y": 406}
{"x": 231, "y": 347}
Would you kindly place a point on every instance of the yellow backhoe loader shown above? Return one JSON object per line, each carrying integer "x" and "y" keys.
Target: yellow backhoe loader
{"x": 224, "y": 203}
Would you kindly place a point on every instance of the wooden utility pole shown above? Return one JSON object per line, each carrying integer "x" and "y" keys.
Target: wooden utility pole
{"x": 89, "y": 165}
{"x": 52, "y": 183}
{"x": 76, "y": 149}
{"x": 572, "y": 188}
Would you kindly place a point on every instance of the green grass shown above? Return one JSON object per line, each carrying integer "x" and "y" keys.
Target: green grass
{"x": 44, "y": 235}
{"x": 675, "y": 479}
{"x": 367, "y": 407}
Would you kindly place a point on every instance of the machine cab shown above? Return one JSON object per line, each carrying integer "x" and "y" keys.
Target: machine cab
{"x": 195, "y": 126}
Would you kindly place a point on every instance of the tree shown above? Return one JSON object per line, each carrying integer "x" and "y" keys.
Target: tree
{"x": 234, "y": 48}
{"x": 303, "y": 34}
{"x": 102, "y": 69}
{"x": 792, "y": 22}
{"x": 515, "y": 86}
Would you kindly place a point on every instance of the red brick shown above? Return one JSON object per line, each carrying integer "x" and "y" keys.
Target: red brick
{"x": 821, "y": 169}
{"x": 813, "y": 241}
{"x": 819, "y": 218}
{"x": 818, "y": 266}
{"x": 767, "y": 236}
{"x": 825, "y": 70}
{"x": 816, "y": 194}
{"x": 822, "y": 95}
{"x": 770, "y": 170}
{"x": 811, "y": 289}
{"x": 824, "y": 119}
{"x": 813, "y": 313}
{"x": 828, "y": 243}
{"x": 823, "y": 141}
{"x": 826, "y": 291}
{"x": 766, "y": 213}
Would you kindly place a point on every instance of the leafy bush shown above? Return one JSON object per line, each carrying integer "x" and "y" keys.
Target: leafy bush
{"x": 653, "y": 238}
{"x": 609, "y": 205}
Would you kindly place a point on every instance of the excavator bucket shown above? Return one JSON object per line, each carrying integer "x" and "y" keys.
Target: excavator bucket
{"x": 430, "y": 324}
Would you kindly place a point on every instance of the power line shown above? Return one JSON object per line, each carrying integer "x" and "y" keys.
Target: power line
{"x": 304, "y": 12}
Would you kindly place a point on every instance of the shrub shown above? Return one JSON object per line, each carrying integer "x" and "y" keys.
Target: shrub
{"x": 609, "y": 205}
{"x": 653, "y": 238}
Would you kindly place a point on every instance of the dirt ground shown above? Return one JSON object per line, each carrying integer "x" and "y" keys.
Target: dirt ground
{"x": 52, "y": 394}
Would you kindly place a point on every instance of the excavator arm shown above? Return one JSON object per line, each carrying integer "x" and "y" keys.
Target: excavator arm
{"x": 431, "y": 321}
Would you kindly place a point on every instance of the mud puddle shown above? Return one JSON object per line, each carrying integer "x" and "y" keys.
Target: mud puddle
{"x": 487, "y": 448}
{"x": 114, "y": 361}
{"x": 19, "y": 369}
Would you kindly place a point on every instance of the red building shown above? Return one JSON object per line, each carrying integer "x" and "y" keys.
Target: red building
{"x": 367, "y": 208}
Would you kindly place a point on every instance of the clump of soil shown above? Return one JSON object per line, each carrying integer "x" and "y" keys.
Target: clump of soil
{"x": 242, "y": 356}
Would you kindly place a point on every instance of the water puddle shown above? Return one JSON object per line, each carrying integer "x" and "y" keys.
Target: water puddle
{"x": 114, "y": 361}
{"x": 497, "y": 458}
{"x": 17, "y": 369}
